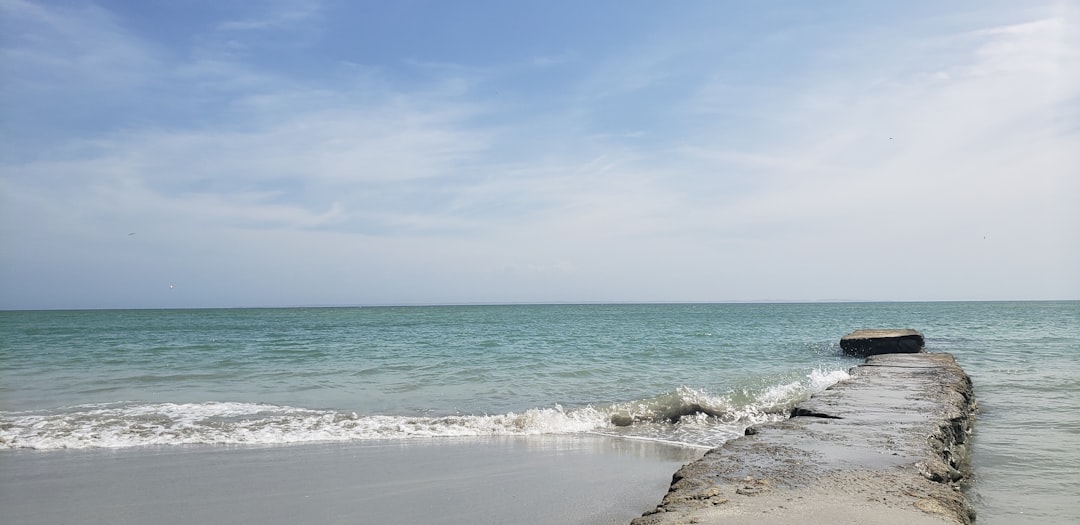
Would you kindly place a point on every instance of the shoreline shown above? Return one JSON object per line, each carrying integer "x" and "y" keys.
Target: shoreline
{"x": 887, "y": 446}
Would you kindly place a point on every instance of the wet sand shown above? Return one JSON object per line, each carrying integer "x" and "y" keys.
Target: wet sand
{"x": 544, "y": 479}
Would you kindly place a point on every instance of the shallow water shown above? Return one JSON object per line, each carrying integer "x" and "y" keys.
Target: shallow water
{"x": 119, "y": 379}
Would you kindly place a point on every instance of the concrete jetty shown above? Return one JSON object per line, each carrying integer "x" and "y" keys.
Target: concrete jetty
{"x": 887, "y": 446}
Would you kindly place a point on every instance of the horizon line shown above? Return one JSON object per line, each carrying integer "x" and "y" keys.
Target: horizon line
{"x": 537, "y": 303}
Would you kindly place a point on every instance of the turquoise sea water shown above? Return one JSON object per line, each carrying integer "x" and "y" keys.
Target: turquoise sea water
{"x": 694, "y": 374}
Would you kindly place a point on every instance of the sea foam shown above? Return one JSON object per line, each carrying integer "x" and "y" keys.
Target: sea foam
{"x": 687, "y": 416}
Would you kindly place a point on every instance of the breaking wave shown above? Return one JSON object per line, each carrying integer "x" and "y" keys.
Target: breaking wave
{"x": 687, "y": 416}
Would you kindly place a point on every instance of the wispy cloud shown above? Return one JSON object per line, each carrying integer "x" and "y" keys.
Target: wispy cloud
{"x": 52, "y": 45}
{"x": 651, "y": 174}
{"x": 278, "y": 14}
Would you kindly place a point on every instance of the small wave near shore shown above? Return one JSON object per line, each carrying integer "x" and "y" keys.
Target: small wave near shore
{"x": 684, "y": 416}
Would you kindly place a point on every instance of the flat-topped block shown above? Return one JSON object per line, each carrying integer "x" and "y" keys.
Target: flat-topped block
{"x": 882, "y": 341}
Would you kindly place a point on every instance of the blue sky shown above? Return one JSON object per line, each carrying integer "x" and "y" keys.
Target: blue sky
{"x": 335, "y": 153}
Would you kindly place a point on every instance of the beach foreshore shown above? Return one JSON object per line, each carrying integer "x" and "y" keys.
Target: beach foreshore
{"x": 887, "y": 446}
{"x": 580, "y": 479}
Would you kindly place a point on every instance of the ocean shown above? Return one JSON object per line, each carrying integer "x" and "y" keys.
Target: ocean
{"x": 236, "y": 382}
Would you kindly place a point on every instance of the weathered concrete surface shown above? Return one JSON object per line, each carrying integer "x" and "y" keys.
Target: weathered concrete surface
{"x": 873, "y": 342}
{"x": 886, "y": 446}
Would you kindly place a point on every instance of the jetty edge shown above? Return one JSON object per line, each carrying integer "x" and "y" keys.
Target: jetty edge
{"x": 888, "y": 446}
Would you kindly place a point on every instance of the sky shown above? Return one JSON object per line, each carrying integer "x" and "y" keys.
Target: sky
{"x": 228, "y": 153}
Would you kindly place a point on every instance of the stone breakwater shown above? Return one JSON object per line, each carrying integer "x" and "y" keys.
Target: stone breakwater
{"x": 888, "y": 445}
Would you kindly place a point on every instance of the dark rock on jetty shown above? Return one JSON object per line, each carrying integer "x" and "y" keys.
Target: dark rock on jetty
{"x": 873, "y": 342}
{"x": 887, "y": 446}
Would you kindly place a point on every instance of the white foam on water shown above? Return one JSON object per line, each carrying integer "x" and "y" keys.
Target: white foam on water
{"x": 823, "y": 379}
{"x": 686, "y": 415}
{"x": 121, "y": 426}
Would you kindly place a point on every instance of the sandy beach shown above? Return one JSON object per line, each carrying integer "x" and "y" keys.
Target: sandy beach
{"x": 546, "y": 479}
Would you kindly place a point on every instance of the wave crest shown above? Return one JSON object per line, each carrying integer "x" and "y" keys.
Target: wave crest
{"x": 685, "y": 415}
